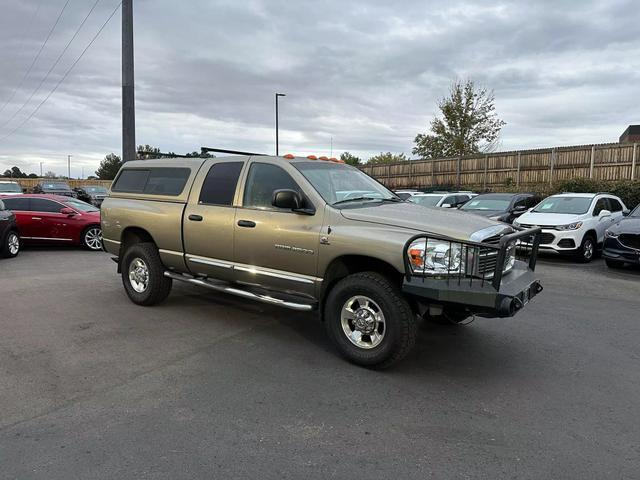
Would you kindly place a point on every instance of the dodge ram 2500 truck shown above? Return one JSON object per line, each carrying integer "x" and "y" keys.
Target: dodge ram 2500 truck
{"x": 314, "y": 235}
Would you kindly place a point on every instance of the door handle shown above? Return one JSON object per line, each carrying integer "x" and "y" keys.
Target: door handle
{"x": 246, "y": 223}
{"x": 36, "y": 218}
{"x": 195, "y": 218}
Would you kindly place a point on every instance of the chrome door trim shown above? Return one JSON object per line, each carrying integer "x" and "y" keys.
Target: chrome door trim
{"x": 277, "y": 274}
{"x": 210, "y": 262}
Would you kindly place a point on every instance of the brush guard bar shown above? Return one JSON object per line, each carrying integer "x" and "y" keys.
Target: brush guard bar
{"x": 494, "y": 279}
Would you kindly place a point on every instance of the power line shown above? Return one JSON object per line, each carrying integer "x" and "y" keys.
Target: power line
{"x": 38, "y": 54}
{"x": 65, "y": 75}
{"x": 52, "y": 66}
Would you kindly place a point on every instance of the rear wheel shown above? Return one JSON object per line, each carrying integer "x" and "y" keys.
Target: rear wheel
{"x": 613, "y": 263}
{"x": 369, "y": 321}
{"x": 587, "y": 249}
{"x": 143, "y": 275}
{"x": 11, "y": 245}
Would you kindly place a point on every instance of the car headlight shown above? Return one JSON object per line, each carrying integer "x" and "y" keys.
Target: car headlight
{"x": 571, "y": 226}
{"x": 436, "y": 257}
{"x": 610, "y": 234}
{"x": 516, "y": 223}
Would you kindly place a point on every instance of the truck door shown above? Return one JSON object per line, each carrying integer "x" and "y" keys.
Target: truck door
{"x": 208, "y": 224}
{"x": 275, "y": 248}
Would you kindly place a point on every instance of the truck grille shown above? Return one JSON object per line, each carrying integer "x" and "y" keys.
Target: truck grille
{"x": 487, "y": 259}
{"x": 630, "y": 240}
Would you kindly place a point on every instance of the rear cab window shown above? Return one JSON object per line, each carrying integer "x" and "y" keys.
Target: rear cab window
{"x": 219, "y": 187}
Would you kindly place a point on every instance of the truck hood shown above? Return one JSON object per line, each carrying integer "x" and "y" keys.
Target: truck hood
{"x": 443, "y": 221}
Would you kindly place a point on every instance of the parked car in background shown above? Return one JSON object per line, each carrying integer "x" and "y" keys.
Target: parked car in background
{"x": 442, "y": 199}
{"x": 10, "y": 188}
{"x": 9, "y": 239}
{"x": 574, "y": 223}
{"x": 405, "y": 194}
{"x": 54, "y": 187}
{"x": 504, "y": 207}
{"x": 93, "y": 194}
{"x": 56, "y": 220}
{"x": 622, "y": 241}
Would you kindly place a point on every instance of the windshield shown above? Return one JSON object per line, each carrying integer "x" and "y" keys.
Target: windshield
{"x": 10, "y": 188}
{"x": 569, "y": 205}
{"x": 427, "y": 200}
{"x": 82, "y": 206}
{"x": 498, "y": 204}
{"x": 55, "y": 186}
{"x": 337, "y": 182}
{"x": 96, "y": 190}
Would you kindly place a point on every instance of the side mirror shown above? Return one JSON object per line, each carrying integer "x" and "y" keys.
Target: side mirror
{"x": 519, "y": 209}
{"x": 68, "y": 211}
{"x": 625, "y": 213}
{"x": 287, "y": 199}
{"x": 604, "y": 213}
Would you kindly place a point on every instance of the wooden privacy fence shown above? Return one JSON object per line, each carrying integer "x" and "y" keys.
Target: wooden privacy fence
{"x": 526, "y": 167}
{"x": 29, "y": 183}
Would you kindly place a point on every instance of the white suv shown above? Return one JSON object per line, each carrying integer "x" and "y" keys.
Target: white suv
{"x": 573, "y": 222}
{"x": 442, "y": 199}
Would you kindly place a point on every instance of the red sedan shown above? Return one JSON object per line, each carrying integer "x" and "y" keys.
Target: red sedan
{"x": 56, "y": 220}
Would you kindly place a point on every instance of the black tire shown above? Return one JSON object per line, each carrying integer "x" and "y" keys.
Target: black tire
{"x": 614, "y": 263}
{"x": 587, "y": 250}
{"x": 8, "y": 245}
{"x": 157, "y": 286}
{"x": 400, "y": 323}
{"x": 88, "y": 238}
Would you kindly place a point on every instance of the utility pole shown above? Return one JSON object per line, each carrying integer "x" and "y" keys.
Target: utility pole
{"x": 40, "y": 169}
{"x": 277, "y": 146}
{"x": 128, "y": 99}
{"x": 69, "y": 166}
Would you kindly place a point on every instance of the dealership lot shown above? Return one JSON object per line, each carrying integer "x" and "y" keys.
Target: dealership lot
{"x": 92, "y": 386}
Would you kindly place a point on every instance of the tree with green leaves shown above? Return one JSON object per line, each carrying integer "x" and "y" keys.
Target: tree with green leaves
{"x": 346, "y": 157}
{"x": 109, "y": 167}
{"x": 388, "y": 158}
{"x": 469, "y": 124}
{"x": 147, "y": 152}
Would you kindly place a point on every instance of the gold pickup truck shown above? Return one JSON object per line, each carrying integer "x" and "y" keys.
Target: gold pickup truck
{"x": 313, "y": 234}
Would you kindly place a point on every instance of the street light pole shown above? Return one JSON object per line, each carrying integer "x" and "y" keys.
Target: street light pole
{"x": 277, "y": 146}
{"x": 69, "y": 166}
{"x": 40, "y": 169}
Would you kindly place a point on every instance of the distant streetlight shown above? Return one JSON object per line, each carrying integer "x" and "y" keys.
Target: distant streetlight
{"x": 277, "y": 146}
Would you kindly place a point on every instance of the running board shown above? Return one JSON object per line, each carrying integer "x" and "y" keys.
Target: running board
{"x": 225, "y": 288}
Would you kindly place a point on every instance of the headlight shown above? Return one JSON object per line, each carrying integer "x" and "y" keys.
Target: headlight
{"x": 516, "y": 223}
{"x": 436, "y": 257}
{"x": 610, "y": 234}
{"x": 571, "y": 226}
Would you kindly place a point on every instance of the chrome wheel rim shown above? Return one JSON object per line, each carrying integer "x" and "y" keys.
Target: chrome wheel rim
{"x": 588, "y": 249}
{"x": 14, "y": 244}
{"x": 363, "y": 322}
{"x": 138, "y": 275}
{"x": 93, "y": 238}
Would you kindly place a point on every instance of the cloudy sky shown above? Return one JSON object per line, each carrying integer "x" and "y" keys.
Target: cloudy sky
{"x": 365, "y": 74}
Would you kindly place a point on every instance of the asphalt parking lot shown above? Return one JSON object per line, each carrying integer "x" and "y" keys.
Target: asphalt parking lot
{"x": 209, "y": 386}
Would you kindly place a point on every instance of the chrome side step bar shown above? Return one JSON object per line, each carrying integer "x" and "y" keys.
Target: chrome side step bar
{"x": 226, "y": 288}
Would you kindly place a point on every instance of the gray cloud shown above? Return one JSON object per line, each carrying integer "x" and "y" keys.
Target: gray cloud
{"x": 367, "y": 74}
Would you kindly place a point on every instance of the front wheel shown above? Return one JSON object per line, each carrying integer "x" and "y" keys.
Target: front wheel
{"x": 587, "y": 250}
{"x": 92, "y": 238}
{"x": 11, "y": 246}
{"x": 369, "y": 321}
{"x": 143, "y": 275}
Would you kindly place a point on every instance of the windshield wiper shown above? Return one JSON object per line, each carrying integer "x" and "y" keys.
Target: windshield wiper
{"x": 359, "y": 199}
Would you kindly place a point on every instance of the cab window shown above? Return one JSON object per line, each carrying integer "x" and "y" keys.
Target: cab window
{"x": 220, "y": 185}
{"x": 262, "y": 181}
